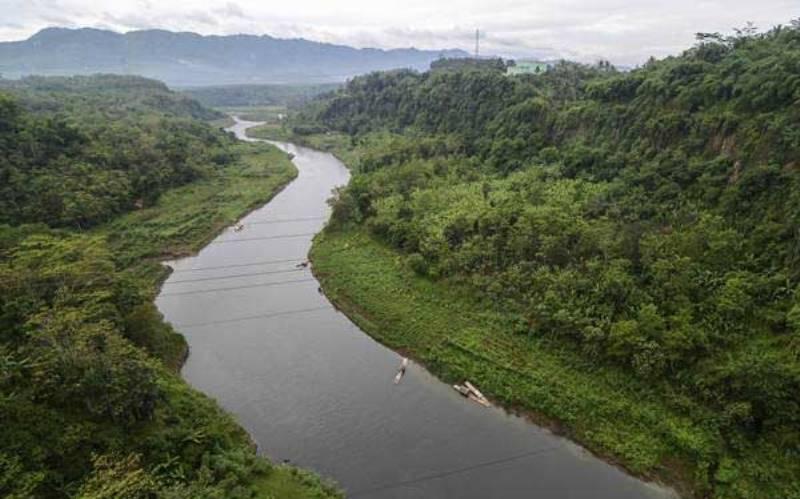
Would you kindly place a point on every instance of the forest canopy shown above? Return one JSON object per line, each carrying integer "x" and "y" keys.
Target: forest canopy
{"x": 78, "y": 151}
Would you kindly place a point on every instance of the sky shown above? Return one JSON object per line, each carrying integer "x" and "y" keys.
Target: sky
{"x": 625, "y": 32}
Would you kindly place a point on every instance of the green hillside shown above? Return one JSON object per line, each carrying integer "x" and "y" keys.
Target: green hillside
{"x": 101, "y": 179}
{"x": 642, "y": 227}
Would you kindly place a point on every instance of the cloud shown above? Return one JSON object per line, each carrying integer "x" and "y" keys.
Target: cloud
{"x": 230, "y": 10}
{"x": 126, "y": 21}
{"x": 202, "y": 18}
{"x": 11, "y": 25}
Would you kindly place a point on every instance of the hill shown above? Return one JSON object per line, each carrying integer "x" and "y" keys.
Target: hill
{"x": 102, "y": 177}
{"x": 630, "y": 242}
{"x": 189, "y": 59}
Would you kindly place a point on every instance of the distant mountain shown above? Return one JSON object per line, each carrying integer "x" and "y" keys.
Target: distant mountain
{"x": 189, "y": 59}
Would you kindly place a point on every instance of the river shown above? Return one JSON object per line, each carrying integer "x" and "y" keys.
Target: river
{"x": 312, "y": 388}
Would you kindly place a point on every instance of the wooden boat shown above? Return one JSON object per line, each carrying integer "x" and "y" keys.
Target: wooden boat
{"x": 469, "y": 391}
{"x": 474, "y": 390}
{"x": 463, "y": 390}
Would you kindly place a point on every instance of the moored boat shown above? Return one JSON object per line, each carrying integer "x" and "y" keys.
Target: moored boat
{"x": 471, "y": 392}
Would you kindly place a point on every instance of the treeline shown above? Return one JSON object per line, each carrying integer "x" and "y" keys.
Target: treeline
{"x": 91, "y": 404}
{"x": 258, "y": 95}
{"x": 78, "y": 151}
{"x": 104, "y": 96}
{"x": 650, "y": 220}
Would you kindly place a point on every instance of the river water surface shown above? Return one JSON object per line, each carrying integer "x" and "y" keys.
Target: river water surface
{"x": 310, "y": 387}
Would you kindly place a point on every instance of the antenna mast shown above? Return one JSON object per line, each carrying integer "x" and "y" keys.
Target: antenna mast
{"x": 477, "y": 43}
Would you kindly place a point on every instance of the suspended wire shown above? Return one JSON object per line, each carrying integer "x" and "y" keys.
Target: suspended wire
{"x": 264, "y": 285}
{"x": 250, "y": 317}
{"x": 237, "y": 265}
{"x": 456, "y": 471}
{"x": 232, "y": 276}
{"x": 75, "y": 279}
{"x": 279, "y": 221}
{"x": 244, "y": 239}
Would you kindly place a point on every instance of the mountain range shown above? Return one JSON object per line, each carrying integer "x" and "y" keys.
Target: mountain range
{"x": 190, "y": 59}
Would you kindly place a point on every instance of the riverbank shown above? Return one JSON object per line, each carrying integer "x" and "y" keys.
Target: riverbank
{"x": 182, "y": 222}
{"x": 186, "y": 218}
{"x": 335, "y": 143}
{"x": 456, "y": 337}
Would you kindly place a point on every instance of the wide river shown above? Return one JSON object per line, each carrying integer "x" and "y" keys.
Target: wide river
{"x": 310, "y": 387}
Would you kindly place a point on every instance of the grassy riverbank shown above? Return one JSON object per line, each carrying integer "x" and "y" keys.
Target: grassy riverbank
{"x": 458, "y": 337}
{"x": 336, "y": 143}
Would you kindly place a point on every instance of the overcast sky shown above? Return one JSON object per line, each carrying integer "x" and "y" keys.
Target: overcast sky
{"x": 624, "y": 31}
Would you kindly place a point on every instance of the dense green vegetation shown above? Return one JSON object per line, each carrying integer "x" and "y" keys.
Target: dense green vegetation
{"x": 258, "y": 95}
{"x": 636, "y": 233}
{"x": 467, "y": 63}
{"x": 78, "y": 151}
{"x": 102, "y": 178}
